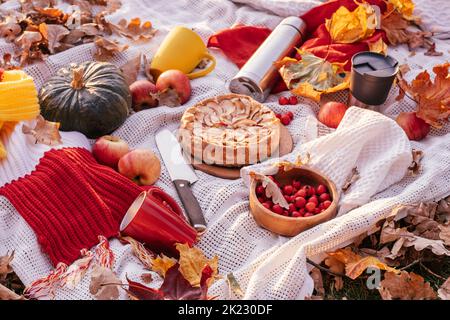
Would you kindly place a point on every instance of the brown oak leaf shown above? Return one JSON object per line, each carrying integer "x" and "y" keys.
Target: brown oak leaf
{"x": 444, "y": 233}
{"x": 405, "y": 286}
{"x": 316, "y": 275}
{"x": 45, "y": 132}
{"x": 5, "y": 267}
{"x": 444, "y": 290}
{"x": 168, "y": 97}
{"x": 53, "y": 33}
{"x": 7, "y": 294}
{"x": 355, "y": 265}
{"x": 135, "y": 29}
{"x": 104, "y": 283}
{"x": 10, "y": 28}
{"x": 107, "y": 48}
{"x": 351, "y": 179}
{"x": 131, "y": 69}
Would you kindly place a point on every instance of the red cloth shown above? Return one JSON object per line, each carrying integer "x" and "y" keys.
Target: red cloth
{"x": 239, "y": 43}
{"x": 70, "y": 199}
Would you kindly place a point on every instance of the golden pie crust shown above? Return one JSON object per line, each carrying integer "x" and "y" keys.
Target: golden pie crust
{"x": 230, "y": 130}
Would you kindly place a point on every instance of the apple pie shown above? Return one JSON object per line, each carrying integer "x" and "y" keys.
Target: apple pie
{"x": 230, "y": 130}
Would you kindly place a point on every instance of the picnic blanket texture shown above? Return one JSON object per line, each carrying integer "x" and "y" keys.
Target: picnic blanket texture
{"x": 267, "y": 266}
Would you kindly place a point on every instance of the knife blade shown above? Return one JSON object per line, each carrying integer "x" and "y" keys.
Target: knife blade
{"x": 182, "y": 175}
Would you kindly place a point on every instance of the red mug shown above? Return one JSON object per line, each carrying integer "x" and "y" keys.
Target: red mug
{"x": 155, "y": 219}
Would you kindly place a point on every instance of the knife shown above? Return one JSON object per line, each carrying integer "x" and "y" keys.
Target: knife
{"x": 182, "y": 175}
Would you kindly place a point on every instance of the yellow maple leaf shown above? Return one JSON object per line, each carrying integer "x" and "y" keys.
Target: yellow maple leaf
{"x": 162, "y": 263}
{"x": 313, "y": 76}
{"x": 351, "y": 26}
{"x": 192, "y": 262}
{"x": 405, "y": 7}
{"x": 355, "y": 265}
{"x": 378, "y": 46}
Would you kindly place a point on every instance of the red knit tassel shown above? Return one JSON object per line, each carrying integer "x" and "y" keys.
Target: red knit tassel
{"x": 76, "y": 271}
{"x": 104, "y": 255}
{"x": 45, "y": 287}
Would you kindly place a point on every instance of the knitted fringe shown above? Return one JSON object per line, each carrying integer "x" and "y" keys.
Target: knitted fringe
{"x": 70, "y": 277}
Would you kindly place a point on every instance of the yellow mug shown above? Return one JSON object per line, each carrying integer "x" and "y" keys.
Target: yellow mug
{"x": 182, "y": 49}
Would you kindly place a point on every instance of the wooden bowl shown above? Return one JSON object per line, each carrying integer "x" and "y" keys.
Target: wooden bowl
{"x": 291, "y": 226}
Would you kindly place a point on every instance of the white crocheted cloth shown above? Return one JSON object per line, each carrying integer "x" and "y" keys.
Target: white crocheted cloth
{"x": 266, "y": 265}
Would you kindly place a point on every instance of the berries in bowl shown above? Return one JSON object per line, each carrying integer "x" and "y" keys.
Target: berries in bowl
{"x": 292, "y": 201}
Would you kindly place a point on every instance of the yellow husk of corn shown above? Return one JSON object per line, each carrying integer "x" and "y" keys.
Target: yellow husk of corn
{"x": 18, "y": 102}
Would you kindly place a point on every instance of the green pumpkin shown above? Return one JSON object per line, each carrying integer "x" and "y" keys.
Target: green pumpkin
{"x": 92, "y": 98}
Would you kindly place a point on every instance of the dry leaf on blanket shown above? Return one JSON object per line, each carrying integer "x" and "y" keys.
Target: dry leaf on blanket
{"x": 135, "y": 29}
{"x": 5, "y": 267}
{"x": 10, "y": 28}
{"x": 29, "y": 43}
{"x": 139, "y": 251}
{"x": 299, "y": 162}
{"x": 45, "y": 132}
{"x": 432, "y": 51}
{"x": 405, "y": 7}
{"x": 234, "y": 286}
{"x": 131, "y": 69}
{"x": 147, "y": 63}
{"x": 104, "y": 283}
{"x": 176, "y": 287}
{"x": 351, "y": 179}
{"x": 107, "y": 48}
{"x": 415, "y": 166}
{"x": 192, "y": 262}
{"x": 168, "y": 97}
{"x": 422, "y": 229}
{"x": 316, "y": 275}
{"x": 405, "y": 286}
{"x": 433, "y": 97}
{"x": 444, "y": 234}
{"x": 272, "y": 189}
{"x": 162, "y": 263}
{"x": 53, "y": 34}
{"x": 378, "y": 46}
{"x": 312, "y": 76}
{"x": 355, "y": 265}
{"x": 7, "y": 294}
{"x": 352, "y": 26}
{"x": 338, "y": 267}
{"x": 444, "y": 290}
{"x": 137, "y": 291}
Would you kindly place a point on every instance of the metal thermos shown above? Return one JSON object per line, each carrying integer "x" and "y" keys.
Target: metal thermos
{"x": 258, "y": 76}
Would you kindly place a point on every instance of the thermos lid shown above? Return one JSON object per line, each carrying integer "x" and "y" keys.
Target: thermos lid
{"x": 295, "y": 22}
{"x": 374, "y": 65}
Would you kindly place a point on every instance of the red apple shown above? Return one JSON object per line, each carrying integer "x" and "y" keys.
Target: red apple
{"x": 109, "y": 149}
{"x": 140, "y": 165}
{"x": 141, "y": 92}
{"x": 177, "y": 80}
{"x": 331, "y": 113}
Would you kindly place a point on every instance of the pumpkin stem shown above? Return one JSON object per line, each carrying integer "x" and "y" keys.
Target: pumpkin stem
{"x": 77, "y": 78}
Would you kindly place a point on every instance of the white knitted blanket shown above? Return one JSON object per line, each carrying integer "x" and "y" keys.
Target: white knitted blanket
{"x": 267, "y": 266}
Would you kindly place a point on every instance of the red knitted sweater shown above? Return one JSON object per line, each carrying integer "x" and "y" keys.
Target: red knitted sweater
{"x": 69, "y": 200}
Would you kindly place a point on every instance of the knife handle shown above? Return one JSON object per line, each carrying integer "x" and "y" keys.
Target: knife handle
{"x": 190, "y": 203}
